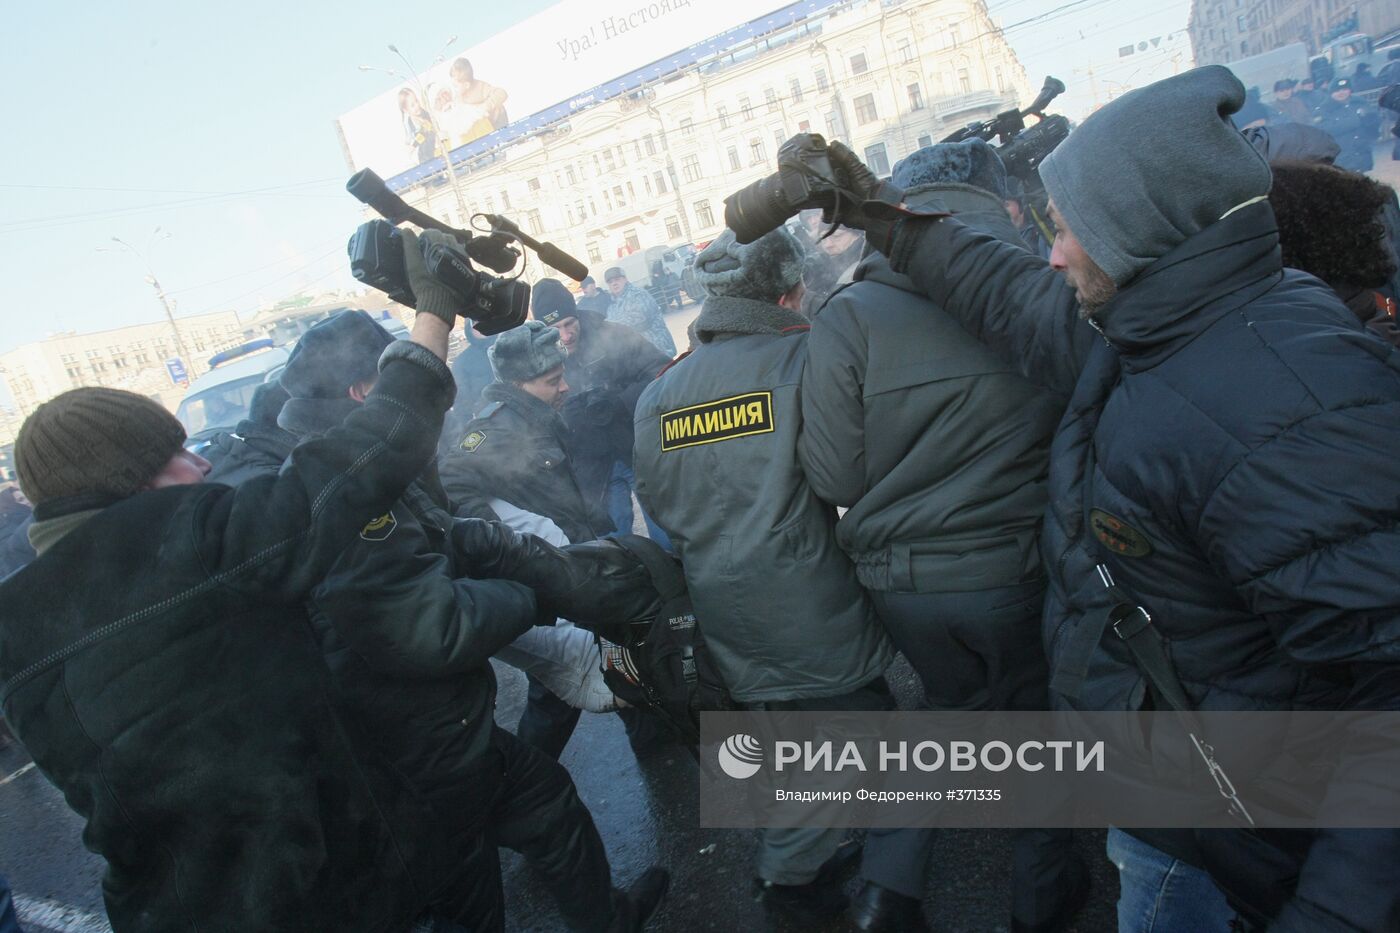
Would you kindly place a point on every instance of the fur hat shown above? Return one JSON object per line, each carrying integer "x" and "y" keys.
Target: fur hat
{"x": 764, "y": 270}
{"x": 526, "y": 352}
{"x": 95, "y": 440}
{"x": 335, "y": 354}
{"x": 970, "y": 162}
{"x": 551, "y": 302}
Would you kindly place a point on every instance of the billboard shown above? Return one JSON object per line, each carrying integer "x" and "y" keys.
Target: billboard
{"x": 568, "y": 56}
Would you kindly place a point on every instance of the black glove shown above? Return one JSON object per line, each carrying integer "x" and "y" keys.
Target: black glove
{"x": 878, "y": 206}
{"x": 595, "y": 585}
{"x": 432, "y": 296}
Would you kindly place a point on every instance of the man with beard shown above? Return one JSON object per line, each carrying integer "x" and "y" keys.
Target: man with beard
{"x": 1227, "y": 456}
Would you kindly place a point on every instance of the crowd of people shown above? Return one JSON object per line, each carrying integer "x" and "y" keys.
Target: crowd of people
{"x": 265, "y": 681}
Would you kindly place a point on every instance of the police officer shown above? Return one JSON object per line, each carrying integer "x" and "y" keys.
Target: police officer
{"x": 786, "y": 620}
{"x": 257, "y": 445}
{"x": 408, "y": 637}
{"x": 517, "y": 447}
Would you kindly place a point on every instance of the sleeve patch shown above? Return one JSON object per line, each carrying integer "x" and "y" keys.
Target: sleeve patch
{"x": 473, "y": 440}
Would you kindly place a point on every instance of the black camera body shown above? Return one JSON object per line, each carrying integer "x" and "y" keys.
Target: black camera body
{"x": 804, "y": 179}
{"x": 376, "y": 258}
{"x": 1023, "y": 154}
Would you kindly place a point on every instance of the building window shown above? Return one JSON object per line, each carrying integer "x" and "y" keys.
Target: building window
{"x": 607, "y": 199}
{"x": 629, "y": 238}
{"x": 778, "y": 140}
{"x": 955, "y": 34}
{"x": 795, "y": 90}
{"x": 770, "y": 100}
{"x": 906, "y": 53}
{"x": 1001, "y": 80}
{"x": 804, "y": 126}
{"x": 687, "y": 126}
{"x": 734, "y": 165}
{"x": 1239, "y": 24}
{"x": 925, "y": 141}
{"x": 609, "y": 160}
{"x": 569, "y": 174}
{"x": 916, "y": 97}
{"x": 865, "y": 109}
{"x": 618, "y": 199}
{"x": 823, "y": 83}
{"x": 673, "y": 228}
{"x": 660, "y": 179}
{"x": 532, "y": 220}
{"x": 649, "y": 144}
{"x": 964, "y": 81}
{"x": 722, "y": 115}
{"x": 505, "y": 200}
{"x": 532, "y": 184}
{"x": 690, "y": 168}
{"x": 757, "y": 154}
{"x": 858, "y": 65}
{"x": 834, "y": 129}
{"x": 703, "y": 215}
{"x": 745, "y": 108}
{"x": 876, "y": 158}
{"x": 594, "y": 253}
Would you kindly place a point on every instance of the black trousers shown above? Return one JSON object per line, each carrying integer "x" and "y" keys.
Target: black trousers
{"x": 534, "y": 809}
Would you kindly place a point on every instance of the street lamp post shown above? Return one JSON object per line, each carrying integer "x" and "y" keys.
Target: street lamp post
{"x": 432, "y": 117}
{"x": 165, "y": 301}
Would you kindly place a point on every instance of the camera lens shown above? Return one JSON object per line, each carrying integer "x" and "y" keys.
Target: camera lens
{"x": 753, "y": 211}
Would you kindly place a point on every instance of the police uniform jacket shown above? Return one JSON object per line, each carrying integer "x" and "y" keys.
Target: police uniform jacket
{"x": 408, "y": 637}
{"x": 1229, "y": 453}
{"x": 936, "y": 446}
{"x": 517, "y": 449}
{"x": 157, "y": 663}
{"x": 717, "y": 467}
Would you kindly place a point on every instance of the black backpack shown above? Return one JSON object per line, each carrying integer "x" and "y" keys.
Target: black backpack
{"x": 661, "y": 663}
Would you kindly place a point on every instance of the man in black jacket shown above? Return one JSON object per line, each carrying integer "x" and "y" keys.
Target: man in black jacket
{"x": 517, "y": 448}
{"x": 938, "y": 450}
{"x": 408, "y": 636}
{"x": 1227, "y": 455}
{"x": 156, "y": 664}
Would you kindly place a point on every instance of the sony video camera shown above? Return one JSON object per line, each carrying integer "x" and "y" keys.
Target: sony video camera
{"x": 496, "y": 304}
{"x": 1022, "y": 150}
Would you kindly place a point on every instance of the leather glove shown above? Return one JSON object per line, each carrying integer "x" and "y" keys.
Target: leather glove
{"x": 432, "y": 296}
{"x": 595, "y": 584}
{"x": 879, "y": 205}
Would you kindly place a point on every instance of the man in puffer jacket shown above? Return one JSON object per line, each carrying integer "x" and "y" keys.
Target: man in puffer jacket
{"x": 787, "y": 623}
{"x": 1228, "y": 455}
{"x": 939, "y": 451}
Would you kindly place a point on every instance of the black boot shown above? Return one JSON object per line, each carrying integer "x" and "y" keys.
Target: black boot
{"x": 636, "y": 905}
{"x": 1076, "y": 887}
{"x": 880, "y": 910}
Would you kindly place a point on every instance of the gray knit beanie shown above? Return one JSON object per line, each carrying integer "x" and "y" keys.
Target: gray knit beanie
{"x": 1154, "y": 168}
{"x": 764, "y": 270}
{"x": 526, "y": 352}
{"x": 94, "y": 440}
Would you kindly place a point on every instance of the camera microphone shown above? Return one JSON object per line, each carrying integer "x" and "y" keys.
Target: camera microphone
{"x": 551, "y": 255}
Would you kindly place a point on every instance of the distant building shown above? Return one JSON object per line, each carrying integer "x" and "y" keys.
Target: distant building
{"x": 131, "y": 358}
{"x": 654, "y": 166}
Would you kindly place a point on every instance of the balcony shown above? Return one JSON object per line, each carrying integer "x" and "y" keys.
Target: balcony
{"x": 949, "y": 108}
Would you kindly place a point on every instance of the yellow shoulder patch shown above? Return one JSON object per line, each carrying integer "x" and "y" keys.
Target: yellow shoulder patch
{"x": 721, "y": 420}
{"x": 473, "y": 440}
{"x": 380, "y": 528}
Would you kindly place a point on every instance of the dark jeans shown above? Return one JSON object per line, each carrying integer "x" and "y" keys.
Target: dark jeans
{"x": 973, "y": 651}
{"x": 619, "y": 501}
{"x": 534, "y": 809}
{"x": 1161, "y": 894}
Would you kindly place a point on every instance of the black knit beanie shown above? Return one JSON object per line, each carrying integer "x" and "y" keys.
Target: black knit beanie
{"x": 551, "y": 302}
{"x": 94, "y": 441}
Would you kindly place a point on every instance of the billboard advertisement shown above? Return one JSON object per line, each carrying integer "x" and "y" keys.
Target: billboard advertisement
{"x": 547, "y": 62}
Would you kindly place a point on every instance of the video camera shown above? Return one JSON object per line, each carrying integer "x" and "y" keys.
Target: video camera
{"x": 1022, "y": 150}
{"x": 495, "y": 304}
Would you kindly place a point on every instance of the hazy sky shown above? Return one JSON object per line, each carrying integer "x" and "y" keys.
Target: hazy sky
{"x": 216, "y": 124}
